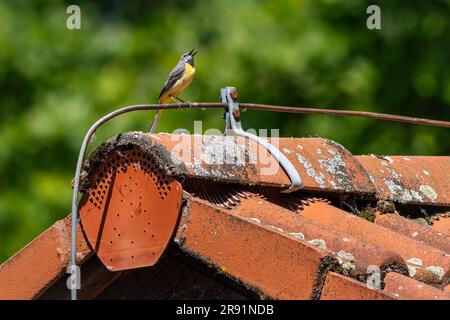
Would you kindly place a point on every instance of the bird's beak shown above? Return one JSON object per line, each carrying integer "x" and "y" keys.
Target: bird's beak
{"x": 192, "y": 53}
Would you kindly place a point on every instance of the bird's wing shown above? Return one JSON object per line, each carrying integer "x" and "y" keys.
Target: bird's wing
{"x": 173, "y": 77}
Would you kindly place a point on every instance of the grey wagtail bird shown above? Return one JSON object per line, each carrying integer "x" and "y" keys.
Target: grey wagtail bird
{"x": 177, "y": 81}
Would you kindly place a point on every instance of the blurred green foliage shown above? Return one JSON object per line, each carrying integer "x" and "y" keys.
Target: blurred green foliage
{"x": 55, "y": 82}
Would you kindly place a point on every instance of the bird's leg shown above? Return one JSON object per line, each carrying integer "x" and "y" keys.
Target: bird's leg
{"x": 176, "y": 101}
{"x": 179, "y": 99}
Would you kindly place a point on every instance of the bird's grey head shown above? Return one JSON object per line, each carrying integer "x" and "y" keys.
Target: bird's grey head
{"x": 188, "y": 57}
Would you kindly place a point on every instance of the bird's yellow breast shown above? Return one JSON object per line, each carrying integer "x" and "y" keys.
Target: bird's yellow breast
{"x": 184, "y": 81}
{"x": 190, "y": 71}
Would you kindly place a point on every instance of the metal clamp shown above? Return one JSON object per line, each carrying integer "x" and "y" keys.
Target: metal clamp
{"x": 233, "y": 127}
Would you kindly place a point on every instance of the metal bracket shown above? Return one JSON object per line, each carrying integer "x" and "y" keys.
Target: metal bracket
{"x": 234, "y": 127}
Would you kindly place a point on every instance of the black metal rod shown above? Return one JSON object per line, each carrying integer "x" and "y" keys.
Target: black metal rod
{"x": 351, "y": 113}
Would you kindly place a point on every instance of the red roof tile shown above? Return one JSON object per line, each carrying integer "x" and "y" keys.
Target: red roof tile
{"x": 38, "y": 265}
{"x": 410, "y": 289}
{"x": 410, "y": 179}
{"x": 353, "y": 255}
{"x": 251, "y": 253}
{"x": 447, "y": 288}
{"x": 338, "y": 287}
{"x": 131, "y": 230}
{"x": 423, "y": 261}
{"x": 321, "y": 163}
{"x": 414, "y": 230}
{"x": 442, "y": 224}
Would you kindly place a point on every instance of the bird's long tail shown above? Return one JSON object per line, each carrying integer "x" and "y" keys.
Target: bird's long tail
{"x": 156, "y": 120}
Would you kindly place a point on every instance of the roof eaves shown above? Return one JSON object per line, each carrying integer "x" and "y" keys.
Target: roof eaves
{"x": 39, "y": 264}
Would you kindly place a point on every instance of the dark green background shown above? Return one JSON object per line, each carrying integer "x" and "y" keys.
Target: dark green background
{"x": 54, "y": 82}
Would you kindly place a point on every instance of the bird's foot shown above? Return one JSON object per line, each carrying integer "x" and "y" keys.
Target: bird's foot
{"x": 178, "y": 100}
{"x": 175, "y": 100}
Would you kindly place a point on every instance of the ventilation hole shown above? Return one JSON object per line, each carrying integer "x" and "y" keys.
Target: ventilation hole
{"x": 132, "y": 257}
{"x": 91, "y": 201}
{"x": 118, "y": 234}
{"x": 153, "y": 253}
{"x": 110, "y": 260}
{"x": 110, "y": 242}
{"x": 153, "y": 235}
{"x": 132, "y": 242}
